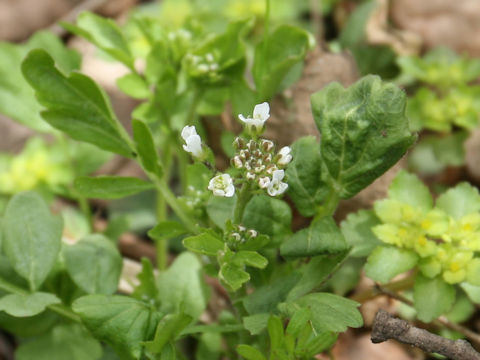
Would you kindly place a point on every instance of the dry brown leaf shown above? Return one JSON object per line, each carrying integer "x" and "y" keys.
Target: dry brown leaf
{"x": 455, "y": 24}
{"x": 379, "y": 31}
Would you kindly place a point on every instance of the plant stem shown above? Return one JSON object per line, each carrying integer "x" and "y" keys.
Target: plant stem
{"x": 242, "y": 201}
{"x": 329, "y": 206}
{"x": 58, "y": 308}
{"x": 161, "y": 245}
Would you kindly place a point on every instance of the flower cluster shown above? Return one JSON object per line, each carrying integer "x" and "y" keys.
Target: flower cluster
{"x": 203, "y": 65}
{"x": 260, "y": 164}
{"x": 239, "y": 235}
{"x": 445, "y": 240}
{"x": 256, "y": 158}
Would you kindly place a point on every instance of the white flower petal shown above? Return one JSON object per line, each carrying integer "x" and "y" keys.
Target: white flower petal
{"x": 222, "y": 185}
{"x": 261, "y": 111}
{"x": 278, "y": 175}
{"x": 188, "y": 131}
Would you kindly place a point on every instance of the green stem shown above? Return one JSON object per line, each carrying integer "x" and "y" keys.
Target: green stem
{"x": 58, "y": 308}
{"x": 171, "y": 200}
{"x": 242, "y": 200}
{"x": 161, "y": 245}
{"x": 329, "y": 206}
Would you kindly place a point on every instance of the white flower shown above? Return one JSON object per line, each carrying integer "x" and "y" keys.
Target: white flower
{"x": 261, "y": 113}
{"x": 264, "y": 182}
{"x": 222, "y": 185}
{"x": 193, "y": 141}
{"x": 285, "y": 156}
{"x": 276, "y": 186}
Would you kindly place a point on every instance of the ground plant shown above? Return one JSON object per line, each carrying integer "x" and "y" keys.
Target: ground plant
{"x": 231, "y": 214}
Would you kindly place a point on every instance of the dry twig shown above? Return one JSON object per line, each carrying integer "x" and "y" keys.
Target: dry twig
{"x": 386, "y": 327}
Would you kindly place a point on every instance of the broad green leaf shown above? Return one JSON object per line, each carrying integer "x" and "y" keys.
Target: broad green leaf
{"x": 147, "y": 288}
{"x": 134, "y": 86}
{"x": 266, "y": 298}
{"x": 220, "y": 209}
{"x": 63, "y": 342}
{"x": 206, "y": 244}
{"x": 329, "y": 312}
{"x": 409, "y": 189}
{"x": 462, "y": 200}
{"x": 249, "y": 258}
{"x": 432, "y": 297}
{"x": 364, "y": 131}
{"x": 28, "y": 304}
{"x": 275, "y": 56}
{"x": 276, "y": 333}
{"x": 314, "y": 274}
{"x": 167, "y": 230}
{"x": 472, "y": 291}
{"x": 357, "y": 230}
{"x": 120, "y": 321}
{"x": 75, "y": 105}
{"x": 105, "y": 34}
{"x": 17, "y": 98}
{"x": 209, "y": 347}
{"x": 146, "y": 147}
{"x": 94, "y": 264}
{"x": 255, "y": 324}
{"x": 385, "y": 262}
{"x": 167, "y": 330}
{"x": 462, "y": 309}
{"x": 31, "y": 237}
{"x": 346, "y": 278}
{"x": 298, "y": 321}
{"x": 181, "y": 287}
{"x": 233, "y": 276}
{"x": 305, "y": 186}
{"x": 322, "y": 237}
{"x": 110, "y": 187}
{"x": 28, "y": 326}
{"x": 317, "y": 344}
{"x": 268, "y": 216}
{"x": 249, "y": 352}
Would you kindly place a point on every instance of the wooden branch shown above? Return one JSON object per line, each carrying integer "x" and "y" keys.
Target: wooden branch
{"x": 386, "y": 327}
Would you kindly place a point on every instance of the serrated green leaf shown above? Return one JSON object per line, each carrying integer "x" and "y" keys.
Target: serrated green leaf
{"x": 266, "y": 298}
{"x": 105, "y": 34}
{"x": 314, "y": 274}
{"x": 409, "y": 189}
{"x": 249, "y": 352}
{"x": 134, "y": 86}
{"x": 220, "y": 209}
{"x": 462, "y": 200}
{"x": 167, "y": 230}
{"x": 255, "y": 324}
{"x": 147, "y": 287}
{"x": 275, "y": 56}
{"x": 268, "y": 216}
{"x": 167, "y": 330}
{"x": 181, "y": 287}
{"x": 205, "y": 243}
{"x": 305, "y": 185}
{"x": 322, "y": 237}
{"x": 28, "y": 304}
{"x": 298, "y": 321}
{"x": 432, "y": 297}
{"x": 329, "y": 312}
{"x": 249, "y": 258}
{"x": 357, "y": 230}
{"x": 94, "y": 264}
{"x": 364, "y": 131}
{"x": 146, "y": 147}
{"x": 75, "y": 105}
{"x": 17, "y": 98}
{"x": 120, "y": 321}
{"x": 385, "y": 262}
{"x": 233, "y": 276}
{"x": 63, "y": 342}
{"x": 31, "y": 237}
{"x": 110, "y": 187}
